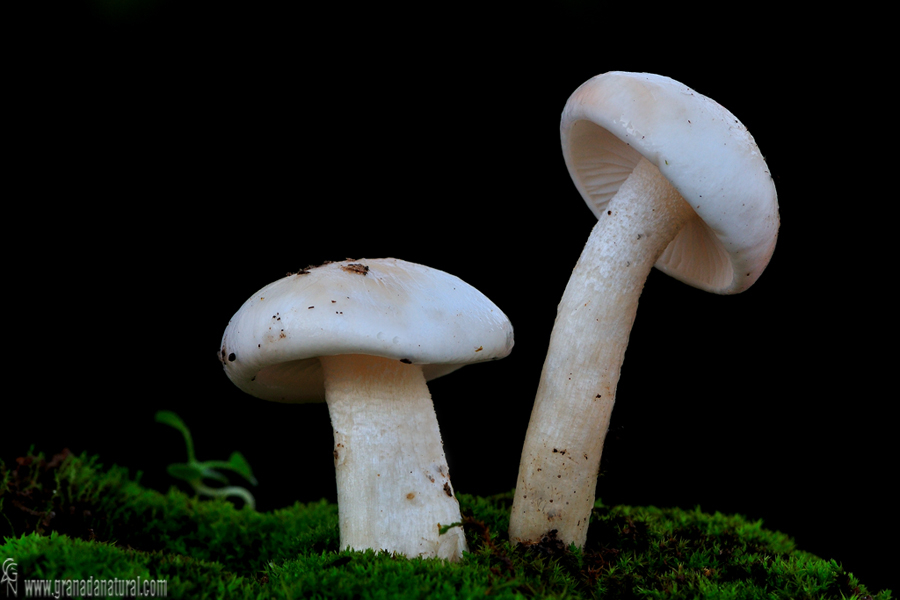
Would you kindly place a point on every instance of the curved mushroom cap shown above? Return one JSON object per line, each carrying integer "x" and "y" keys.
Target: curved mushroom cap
{"x": 381, "y": 307}
{"x": 613, "y": 119}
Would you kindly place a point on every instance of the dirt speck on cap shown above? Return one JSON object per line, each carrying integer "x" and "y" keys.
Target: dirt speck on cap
{"x": 357, "y": 268}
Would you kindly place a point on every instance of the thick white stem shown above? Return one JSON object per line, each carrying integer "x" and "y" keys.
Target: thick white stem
{"x": 393, "y": 483}
{"x": 561, "y": 456}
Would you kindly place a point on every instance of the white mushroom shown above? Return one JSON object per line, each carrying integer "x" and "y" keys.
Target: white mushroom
{"x": 675, "y": 181}
{"x": 364, "y": 336}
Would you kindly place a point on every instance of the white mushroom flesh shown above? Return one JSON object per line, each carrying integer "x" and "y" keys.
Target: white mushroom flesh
{"x": 561, "y": 455}
{"x": 393, "y": 482}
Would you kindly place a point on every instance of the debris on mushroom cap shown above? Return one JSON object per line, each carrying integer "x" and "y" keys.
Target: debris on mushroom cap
{"x": 382, "y": 307}
{"x": 614, "y": 119}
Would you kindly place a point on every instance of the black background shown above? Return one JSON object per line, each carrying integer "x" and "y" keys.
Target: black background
{"x": 173, "y": 157}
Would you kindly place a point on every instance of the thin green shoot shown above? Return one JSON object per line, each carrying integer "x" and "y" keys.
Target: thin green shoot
{"x": 194, "y": 472}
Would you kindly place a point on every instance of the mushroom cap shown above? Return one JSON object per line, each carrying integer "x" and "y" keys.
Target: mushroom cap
{"x": 614, "y": 119}
{"x": 380, "y": 307}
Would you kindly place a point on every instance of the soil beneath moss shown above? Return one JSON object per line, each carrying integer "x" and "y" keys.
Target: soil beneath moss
{"x": 32, "y": 503}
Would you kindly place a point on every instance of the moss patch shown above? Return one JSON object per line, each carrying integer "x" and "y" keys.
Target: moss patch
{"x": 67, "y": 517}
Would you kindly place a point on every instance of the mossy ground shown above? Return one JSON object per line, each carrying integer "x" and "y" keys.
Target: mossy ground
{"x": 68, "y": 518}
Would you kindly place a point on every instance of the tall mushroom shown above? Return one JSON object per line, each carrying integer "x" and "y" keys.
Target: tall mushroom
{"x": 364, "y": 336}
{"x": 675, "y": 181}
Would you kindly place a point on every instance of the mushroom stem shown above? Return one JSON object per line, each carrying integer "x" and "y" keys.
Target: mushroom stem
{"x": 561, "y": 455}
{"x": 393, "y": 483}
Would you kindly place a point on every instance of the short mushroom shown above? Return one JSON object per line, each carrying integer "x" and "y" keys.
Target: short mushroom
{"x": 364, "y": 336}
{"x": 675, "y": 181}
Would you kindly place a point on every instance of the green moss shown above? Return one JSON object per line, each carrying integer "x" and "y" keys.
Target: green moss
{"x": 68, "y": 518}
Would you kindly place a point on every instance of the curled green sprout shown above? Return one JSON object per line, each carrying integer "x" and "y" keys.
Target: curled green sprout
{"x": 194, "y": 471}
